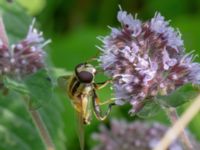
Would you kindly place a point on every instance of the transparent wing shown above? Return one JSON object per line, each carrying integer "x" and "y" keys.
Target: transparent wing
{"x": 80, "y": 129}
{"x": 62, "y": 81}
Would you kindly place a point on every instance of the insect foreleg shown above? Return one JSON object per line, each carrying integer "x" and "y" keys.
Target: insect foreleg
{"x": 101, "y": 85}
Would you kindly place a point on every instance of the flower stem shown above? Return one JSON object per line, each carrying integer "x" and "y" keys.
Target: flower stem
{"x": 44, "y": 134}
{"x": 173, "y": 116}
{"x": 179, "y": 126}
{"x": 42, "y": 129}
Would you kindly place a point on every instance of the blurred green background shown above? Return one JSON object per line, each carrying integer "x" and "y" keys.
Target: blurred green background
{"x": 73, "y": 26}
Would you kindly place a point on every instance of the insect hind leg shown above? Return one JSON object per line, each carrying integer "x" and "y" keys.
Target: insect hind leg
{"x": 97, "y": 109}
{"x": 110, "y": 101}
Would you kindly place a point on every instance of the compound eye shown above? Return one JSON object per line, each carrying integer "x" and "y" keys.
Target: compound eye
{"x": 85, "y": 76}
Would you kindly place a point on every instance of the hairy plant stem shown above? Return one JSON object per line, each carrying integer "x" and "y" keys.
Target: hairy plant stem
{"x": 42, "y": 129}
{"x": 173, "y": 117}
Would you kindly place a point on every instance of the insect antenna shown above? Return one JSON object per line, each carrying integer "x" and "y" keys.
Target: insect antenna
{"x": 94, "y": 58}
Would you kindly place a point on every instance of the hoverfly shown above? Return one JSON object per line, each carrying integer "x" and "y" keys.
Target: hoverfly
{"x": 81, "y": 89}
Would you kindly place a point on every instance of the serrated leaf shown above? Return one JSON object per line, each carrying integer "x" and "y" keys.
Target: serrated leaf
{"x": 40, "y": 86}
{"x": 179, "y": 96}
{"x": 150, "y": 109}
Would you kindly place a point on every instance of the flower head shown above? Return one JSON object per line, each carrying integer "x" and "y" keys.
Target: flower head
{"x": 25, "y": 57}
{"x": 134, "y": 136}
{"x": 145, "y": 59}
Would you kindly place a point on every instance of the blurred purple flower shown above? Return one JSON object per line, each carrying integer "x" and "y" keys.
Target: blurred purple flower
{"x": 145, "y": 59}
{"x": 25, "y": 57}
{"x": 134, "y": 136}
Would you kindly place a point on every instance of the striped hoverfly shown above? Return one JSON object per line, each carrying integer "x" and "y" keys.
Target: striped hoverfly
{"x": 81, "y": 89}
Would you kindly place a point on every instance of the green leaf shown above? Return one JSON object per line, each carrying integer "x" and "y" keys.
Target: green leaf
{"x": 34, "y": 6}
{"x": 17, "y": 131}
{"x": 37, "y": 86}
{"x": 179, "y": 96}
{"x": 14, "y": 85}
{"x": 15, "y": 19}
{"x": 57, "y": 72}
{"x": 40, "y": 88}
{"x": 150, "y": 109}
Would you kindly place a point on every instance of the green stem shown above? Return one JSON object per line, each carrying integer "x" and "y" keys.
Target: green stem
{"x": 173, "y": 117}
{"x": 42, "y": 129}
{"x": 44, "y": 134}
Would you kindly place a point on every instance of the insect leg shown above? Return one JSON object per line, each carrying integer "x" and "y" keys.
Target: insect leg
{"x": 107, "y": 102}
{"x": 101, "y": 85}
{"x": 94, "y": 58}
{"x": 97, "y": 109}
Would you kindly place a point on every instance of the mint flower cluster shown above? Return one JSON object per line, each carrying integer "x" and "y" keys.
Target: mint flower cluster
{"x": 134, "y": 136}
{"x": 145, "y": 59}
{"x": 24, "y": 57}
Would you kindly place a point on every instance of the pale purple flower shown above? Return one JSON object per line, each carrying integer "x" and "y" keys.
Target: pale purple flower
{"x": 160, "y": 26}
{"x": 24, "y": 57}
{"x": 128, "y": 21}
{"x": 122, "y": 135}
{"x": 145, "y": 59}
